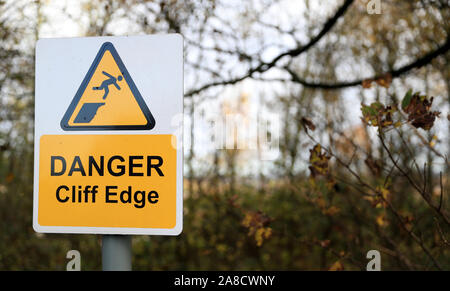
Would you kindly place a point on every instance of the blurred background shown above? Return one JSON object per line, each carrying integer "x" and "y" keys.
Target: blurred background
{"x": 355, "y": 156}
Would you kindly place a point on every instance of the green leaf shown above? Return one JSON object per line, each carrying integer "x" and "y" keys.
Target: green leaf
{"x": 377, "y": 106}
{"x": 407, "y": 99}
{"x": 368, "y": 110}
{"x": 365, "y": 110}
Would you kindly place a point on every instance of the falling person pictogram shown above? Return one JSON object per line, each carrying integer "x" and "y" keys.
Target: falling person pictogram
{"x": 107, "y": 98}
{"x": 89, "y": 110}
{"x": 106, "y": 83}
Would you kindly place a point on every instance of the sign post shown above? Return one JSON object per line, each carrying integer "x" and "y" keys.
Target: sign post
{"x": 116, "y": 253}
{"x": 108, "y": 139}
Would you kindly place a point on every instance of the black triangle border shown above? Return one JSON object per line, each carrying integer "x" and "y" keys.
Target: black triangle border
{"x": 148, "y": 115}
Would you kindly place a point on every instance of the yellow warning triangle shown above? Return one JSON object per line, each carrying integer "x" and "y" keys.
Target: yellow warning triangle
{"x": 107, "y": 99}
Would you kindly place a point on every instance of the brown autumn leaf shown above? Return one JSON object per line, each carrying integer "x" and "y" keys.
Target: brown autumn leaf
{"x": 419, "y": 111}
{"x": 378, "y": 115}
{"x": 257, "y": 223}
{"x": 9, "y": 178}
{"x": 318, "y": 161}
{"x": 255, "y": 219}
{"x": 382, "y": 220}
{"x": 307, "y": 123}
{"x": 261, "y": 234}
{"x": 384, "y": 81}
{"x": 337, "y": 266}
{"x": 367, "y": 84}
{"x": 324, "y": 243}
{"x": 408, "y": 221}
{"x": 331, "y": 211}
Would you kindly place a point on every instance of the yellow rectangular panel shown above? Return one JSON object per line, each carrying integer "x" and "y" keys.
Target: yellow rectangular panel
{"x": 107, "y": 181}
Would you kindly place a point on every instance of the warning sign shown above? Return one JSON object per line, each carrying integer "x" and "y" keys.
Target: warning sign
{"x": 107, "y": 181}
{"x": 103, "y": 163}
{"x": 107, "y": 99}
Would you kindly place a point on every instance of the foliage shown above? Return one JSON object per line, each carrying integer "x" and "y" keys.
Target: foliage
{"x": 339, "y": 188}
{"x": 418, "y": 109}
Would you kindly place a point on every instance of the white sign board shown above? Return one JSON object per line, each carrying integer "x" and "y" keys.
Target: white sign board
{"x": 108, "y": 135}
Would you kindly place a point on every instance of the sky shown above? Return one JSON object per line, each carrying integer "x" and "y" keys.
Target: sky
{"x": 64, "y": 21}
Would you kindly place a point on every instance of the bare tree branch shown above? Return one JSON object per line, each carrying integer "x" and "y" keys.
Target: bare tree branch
{"x": 265, "y": 66}
{"x": 422, "y": 192}
{"x": 423, "y": 61}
